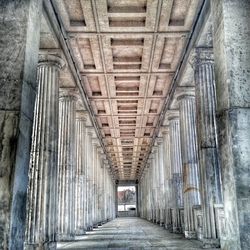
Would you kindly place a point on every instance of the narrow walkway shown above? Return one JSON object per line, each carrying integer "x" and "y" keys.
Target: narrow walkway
{"x": 131, "y": 233}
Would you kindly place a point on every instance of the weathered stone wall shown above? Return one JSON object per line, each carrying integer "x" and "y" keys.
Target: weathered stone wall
{"x": 19, "y": 44}
{"x": 231, "y": 20}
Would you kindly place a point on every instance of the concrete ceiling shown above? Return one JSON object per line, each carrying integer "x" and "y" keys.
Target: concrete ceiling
{"x": 127, "y": 52}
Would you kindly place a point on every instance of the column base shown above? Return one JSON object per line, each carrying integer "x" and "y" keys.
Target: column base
{"x": 64, "y": 237}
{"x": 168, "y": 226}
{"x": 190, "y": 234}
{"x": 176, "y": 230}
{"x": 80, "y": 232}
{"x": 42, "y": 246}
{"x": 210, "y": 243}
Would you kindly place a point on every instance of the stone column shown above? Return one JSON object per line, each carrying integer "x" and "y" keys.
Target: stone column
{"x": 176, "y": 170}
{"x": 19, "y": 49}
{"x": 102, "y": 189}
{"x": 80, "y": 185}
{"x": 106, "y": 167}
{"x": 154, "y": 185}
{"x": 89, "y": 179}
{"x": 189, "y": 160}
{"x": 151, "y": 189}
{"x": 208, "y": 162}
{"x": 157, "y": 185}
{"x": 161, "y": 180}
{"x": 167, "y": 176}
{"x": 99, "y": 187}
{"x": 232, "y": 56}
{"x": 66, "y": 165}
{"x": 94, "y": 182}
{"x": 42, "y": 190}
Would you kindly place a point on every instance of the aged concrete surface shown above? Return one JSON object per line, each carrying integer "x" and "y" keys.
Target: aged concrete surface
{"x": 131, "y": 233}
{"x": 19, "y": 43}
{"x": 231, "y": 20}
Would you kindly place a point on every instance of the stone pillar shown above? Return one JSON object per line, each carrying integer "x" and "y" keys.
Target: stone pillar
{"x": 157, "y": 185}
{"x": 208, "y": 158}
{"x": 151, "y": 190}
{"x": 66, "y": 165}
{"x": 161, "y": 180}
{"x": 42, "y": 199}
{"x": 106, "y": 167}
{"x": 80, "y": 185}
{"x": 101, "y": 190}
{"x": 167, "y": 176}
{"x": 154, "y": 185}
{"x": 176, "y": 170}
{"x": 231, "y": 51}
{"x": 189, "y": 160}
{"x": 19, "y": 56}
{"x": 94, "y": 182}
{"x": 89, "y": 179}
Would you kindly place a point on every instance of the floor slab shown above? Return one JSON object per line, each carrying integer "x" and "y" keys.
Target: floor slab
{"x": 130, "y": 233}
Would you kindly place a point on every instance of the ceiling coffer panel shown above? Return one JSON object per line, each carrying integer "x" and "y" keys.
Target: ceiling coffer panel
{"x": 127, "y": 53}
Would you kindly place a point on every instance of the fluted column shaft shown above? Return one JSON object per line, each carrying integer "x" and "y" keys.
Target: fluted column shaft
{"x": 67, "y": 166}
{"x": 154, "y": 186}
{"x": 208, "y": 163}
{"x": 161, "y": 171}
{"x": 89, "y": 180}
{"x": 167, "y": 176}
{"x": 152, "y": 200}
{"x": 42, "y": 199}
{"x": 189, "y": 161}
{"x": 80, "y": 186}
{"x": 157, "y": 186}
{"x": 176, "y": 170}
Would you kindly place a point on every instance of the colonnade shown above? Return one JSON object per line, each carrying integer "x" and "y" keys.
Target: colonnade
{"x": 181, "y": 186}
{"x": 71, "y": 189}
{"x": 196, "y": 180}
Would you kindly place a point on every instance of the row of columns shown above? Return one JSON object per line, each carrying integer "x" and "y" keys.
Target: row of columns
{"x": 183, "y": 172}
{"x": 71, "y": 189}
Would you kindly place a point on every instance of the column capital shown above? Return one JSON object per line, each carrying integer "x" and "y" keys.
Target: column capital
{"x": 103, "y": 156}
{"x": 203, "y": 55}
{"x": 81, "y": 115}
{"x": 172, "y": 115}
{"x": 50, "y": 59}
{"x": 159, "y": 140}
{"x": 71, "y": 93}
{"x": 185, "y": 92}
{"x": 90, "y": 131}
{"x": 95, "y": 142}
{"x": 164, "y": 130}
{"x": 154, "y": 149}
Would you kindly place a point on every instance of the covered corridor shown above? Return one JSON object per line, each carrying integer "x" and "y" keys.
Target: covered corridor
{"x": 96, "y": 95}
{"x": 131, "y": 233}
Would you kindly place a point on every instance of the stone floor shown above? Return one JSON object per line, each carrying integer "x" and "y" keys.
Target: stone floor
{"x": 130, "y": 233}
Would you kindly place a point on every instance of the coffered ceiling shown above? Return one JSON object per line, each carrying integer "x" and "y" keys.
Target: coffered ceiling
{"x": 127, "y": 52}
